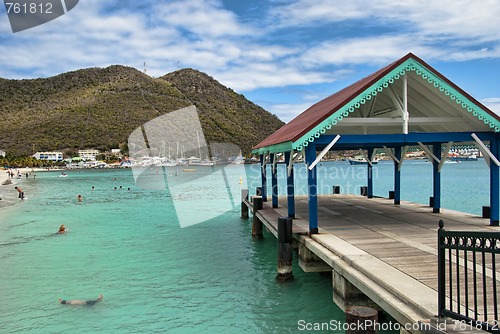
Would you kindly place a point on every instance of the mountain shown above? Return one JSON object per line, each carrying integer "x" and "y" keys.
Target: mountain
{"x": 226, "y": 116}
{"x": 100, "y": 107}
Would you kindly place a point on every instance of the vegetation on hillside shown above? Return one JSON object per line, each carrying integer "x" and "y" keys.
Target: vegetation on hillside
{"x": 226, "y": 116}
{"x": 99, "y": 108}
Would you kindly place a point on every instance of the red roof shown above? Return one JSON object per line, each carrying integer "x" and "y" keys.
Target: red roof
{"x": 317, "y": 113}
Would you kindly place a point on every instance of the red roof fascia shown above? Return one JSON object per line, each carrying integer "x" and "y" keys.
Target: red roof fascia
{"x": 318, "y": 112}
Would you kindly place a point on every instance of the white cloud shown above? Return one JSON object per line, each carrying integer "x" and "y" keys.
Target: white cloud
{"x": 493, "y": 104}
{"x": 310, "y": 11}
{"x": 202, "y": 18}
{"x": 287, "y": 112}
{"x": 245, "y": 54}
{"x": 460, "y": 18}
{"x": 367, "y": 50}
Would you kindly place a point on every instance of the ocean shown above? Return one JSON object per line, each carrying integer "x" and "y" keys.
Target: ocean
{"x": 159, "y": 277}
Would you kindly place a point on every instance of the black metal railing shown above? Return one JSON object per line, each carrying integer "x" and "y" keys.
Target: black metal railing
{"x": 467, "y": 279}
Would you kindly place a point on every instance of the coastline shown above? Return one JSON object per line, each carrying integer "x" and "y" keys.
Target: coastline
{"x": 8, "y": 194}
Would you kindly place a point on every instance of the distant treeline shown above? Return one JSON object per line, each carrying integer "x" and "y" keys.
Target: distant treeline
{"x": 24, "y": 161}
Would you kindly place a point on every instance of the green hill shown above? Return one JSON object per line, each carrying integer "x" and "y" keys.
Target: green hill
{"x": 99, "y": 108}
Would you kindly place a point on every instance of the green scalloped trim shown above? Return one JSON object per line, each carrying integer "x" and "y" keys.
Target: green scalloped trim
{"x": 278, "y": 148}
{"x": 380, "y": 85}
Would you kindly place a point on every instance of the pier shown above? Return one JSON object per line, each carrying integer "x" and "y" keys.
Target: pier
{"x": 384, "y": 252}
{"x": 380, "y": 255}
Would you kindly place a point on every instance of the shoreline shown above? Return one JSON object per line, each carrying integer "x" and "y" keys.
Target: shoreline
{"x": 8, "y": 194}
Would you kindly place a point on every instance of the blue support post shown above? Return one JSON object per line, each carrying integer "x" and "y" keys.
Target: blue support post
{"x": 370, "y": 175}
{"x": 494, "y": 183}
{"x": 274, "y": 182}
{"x": 397, "y": 177}
{"x": 436, "y": 179}
{"x": 312, "y": 185}
{"x": 263, "y": 178}
{"x": 290, "y": 187}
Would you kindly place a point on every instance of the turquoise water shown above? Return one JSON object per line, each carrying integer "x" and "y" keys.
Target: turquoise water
{"x": 464, "y": 186}
{"x": 157, "y": 277}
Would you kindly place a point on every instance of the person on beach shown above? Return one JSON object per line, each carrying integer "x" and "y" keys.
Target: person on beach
{"x": 21, "y": 193}
{"x": 81, "y": 302}
{"x": 79, "y": 198}
{"x": 62, "y": 229}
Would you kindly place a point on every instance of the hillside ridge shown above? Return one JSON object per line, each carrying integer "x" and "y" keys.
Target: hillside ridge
{"x": 100, "y": 107}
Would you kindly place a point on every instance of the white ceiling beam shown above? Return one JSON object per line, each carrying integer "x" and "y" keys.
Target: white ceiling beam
{"x": 389, "y": 152}
{"x": 406, "y": 114}
{"x": 356, "y": 121}
{"x": 444, "y": 155}
{"x": 275, "y": 162}
{"x": 290, "y": 162}
{"x": 396, "y": 100}
{"x": 428, "y": 152}
{"x": 487, "y": 154}
{"x": 325, "y": 150}
{"x": 367, "y": 158}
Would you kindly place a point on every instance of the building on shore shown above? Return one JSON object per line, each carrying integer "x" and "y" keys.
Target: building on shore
{"x": 88, "y": 155}
{"x": 48, "y": 156}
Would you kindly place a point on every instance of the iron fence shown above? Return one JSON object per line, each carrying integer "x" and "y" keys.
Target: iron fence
{"x": 467, "y": 277}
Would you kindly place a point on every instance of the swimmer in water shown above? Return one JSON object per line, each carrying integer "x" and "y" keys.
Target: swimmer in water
{"x": 62, "y": 229}
{"x": 21, "y": 192}
{"x": 79, "y": 198}
{"x": 81, "y": 302}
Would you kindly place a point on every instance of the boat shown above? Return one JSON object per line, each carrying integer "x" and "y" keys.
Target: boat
{"x": 471, "y": 157}
{"x": 360, "y": 161}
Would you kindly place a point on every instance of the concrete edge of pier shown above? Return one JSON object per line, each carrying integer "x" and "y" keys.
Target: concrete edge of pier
{"x": 405, "y": 299}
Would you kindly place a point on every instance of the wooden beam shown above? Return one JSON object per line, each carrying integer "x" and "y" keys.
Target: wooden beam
{"x": 325, "y": 150}
{"x": 380, "y": 121}
{"x": 485, "y": 151}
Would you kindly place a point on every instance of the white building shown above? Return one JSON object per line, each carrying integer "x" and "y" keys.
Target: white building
{"x": 48, "y": 156}
{"x": 88, "y": 155}
{"x": 2, "y": 153}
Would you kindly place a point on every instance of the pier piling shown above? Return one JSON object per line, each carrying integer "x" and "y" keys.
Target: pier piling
{"x": 361, "y": 320}
{"x": 256, "y": 223}
{"x": 244, "y": 207}
{"x": 285, "y": 249}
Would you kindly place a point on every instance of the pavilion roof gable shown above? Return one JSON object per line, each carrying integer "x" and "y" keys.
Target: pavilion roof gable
{"x": 434, "y": 98}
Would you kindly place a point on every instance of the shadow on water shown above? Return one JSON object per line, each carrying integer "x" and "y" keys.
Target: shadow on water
{"x": 24, "y": 240}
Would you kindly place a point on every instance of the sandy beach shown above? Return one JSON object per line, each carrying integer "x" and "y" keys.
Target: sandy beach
{"x": 8, "y": 195}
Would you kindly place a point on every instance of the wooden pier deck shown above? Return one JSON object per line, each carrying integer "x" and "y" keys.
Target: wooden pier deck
{"x": 389, "y": 252}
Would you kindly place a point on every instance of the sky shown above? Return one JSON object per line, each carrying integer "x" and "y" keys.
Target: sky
{"x": 282, "y": 55}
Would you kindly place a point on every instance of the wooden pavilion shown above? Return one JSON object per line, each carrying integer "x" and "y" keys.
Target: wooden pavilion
{"x": 407, "y": 103}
